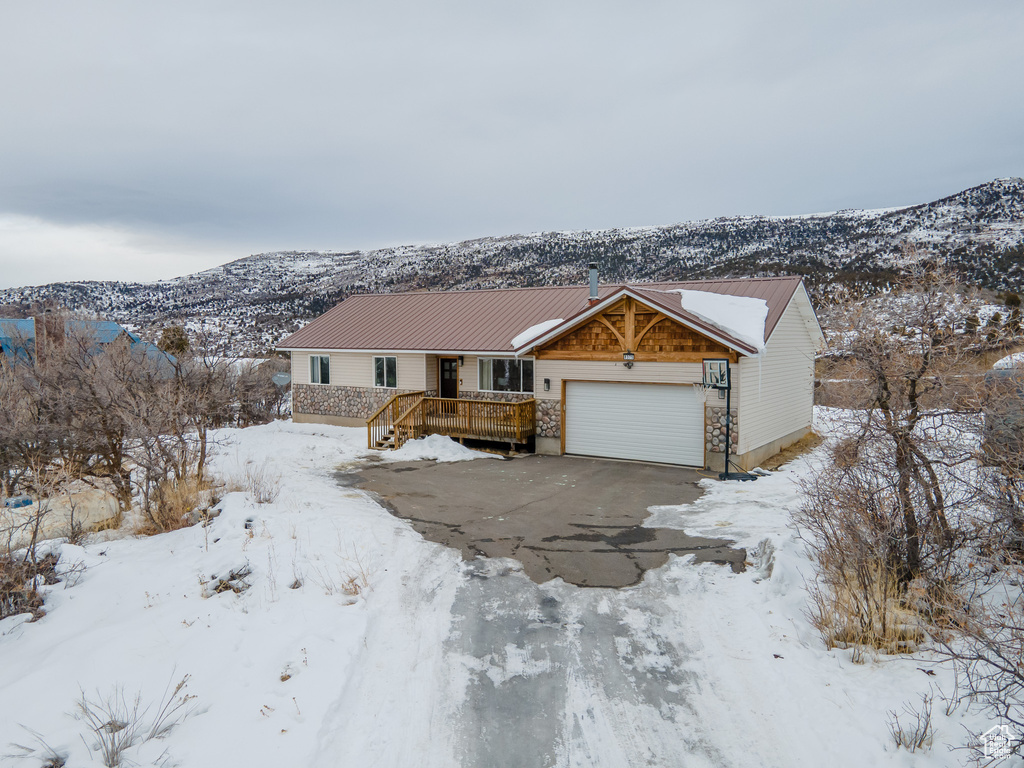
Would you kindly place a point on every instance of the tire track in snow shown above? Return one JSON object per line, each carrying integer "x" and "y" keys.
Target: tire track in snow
{"x": 562, "y": 676}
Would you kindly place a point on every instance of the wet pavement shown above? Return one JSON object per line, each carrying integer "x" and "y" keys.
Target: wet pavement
{"x": 573, "y": 518}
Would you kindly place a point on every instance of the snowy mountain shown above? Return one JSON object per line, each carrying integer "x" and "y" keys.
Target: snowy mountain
{"x": 246, "y": 306}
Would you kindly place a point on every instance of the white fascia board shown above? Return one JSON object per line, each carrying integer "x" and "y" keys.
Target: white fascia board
{"x": 445, "y": 352}
{"x": 810, "y": 317}
{"x": 605, "y": 303}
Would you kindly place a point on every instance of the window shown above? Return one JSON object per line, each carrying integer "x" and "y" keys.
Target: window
{"x": 505, "y": 374}
{"x": 385, "y": 372}
{"x": 319, "y": 369}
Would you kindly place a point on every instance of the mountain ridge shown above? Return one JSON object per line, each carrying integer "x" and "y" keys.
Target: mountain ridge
{"x": 245, "y": 306}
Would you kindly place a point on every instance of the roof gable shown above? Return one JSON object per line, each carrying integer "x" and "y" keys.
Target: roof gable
{"x": 623, "y": 324}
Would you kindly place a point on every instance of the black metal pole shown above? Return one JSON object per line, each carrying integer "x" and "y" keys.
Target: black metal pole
{"x": 728, "y": 419}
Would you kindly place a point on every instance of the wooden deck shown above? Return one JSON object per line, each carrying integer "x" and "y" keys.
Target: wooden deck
{"x": 409, "y": 416}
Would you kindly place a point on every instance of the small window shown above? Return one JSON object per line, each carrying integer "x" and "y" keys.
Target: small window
{"x": 505, "y": 374}
{"x": 319, "y": 369}
{"x": 385, "y": 372}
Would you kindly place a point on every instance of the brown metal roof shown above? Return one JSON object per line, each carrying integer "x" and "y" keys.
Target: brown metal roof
{"x": 488, "y": 320}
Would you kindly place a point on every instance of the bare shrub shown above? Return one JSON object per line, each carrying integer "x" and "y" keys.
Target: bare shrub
{"x": 857, "y": 599}
{"x": 19, "y": 583}
{"x": 892, "y": 506}
{"x": 988, "y": 646}
{"x": 258, "y": 398}
{"x": 915, "y": 520}
{"x": 915, "y": 730}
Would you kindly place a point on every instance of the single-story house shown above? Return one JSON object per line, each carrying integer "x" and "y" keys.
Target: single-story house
{"x": 604, "y": 370}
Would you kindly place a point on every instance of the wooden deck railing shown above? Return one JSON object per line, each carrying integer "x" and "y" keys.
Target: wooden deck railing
{"x": 480, "y": 419}
{"x": 474, "y": 419}
{"x": 381, "y": 424}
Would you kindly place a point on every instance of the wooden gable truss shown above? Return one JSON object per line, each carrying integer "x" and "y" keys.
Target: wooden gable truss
{"x": 632, "y": 326}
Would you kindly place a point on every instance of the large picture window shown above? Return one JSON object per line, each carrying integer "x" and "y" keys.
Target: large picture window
{"x": 319, "y": 369}
{"x": 385, "y": 372}
{"x": 505, "y": 374}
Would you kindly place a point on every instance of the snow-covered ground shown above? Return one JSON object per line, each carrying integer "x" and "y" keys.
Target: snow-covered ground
{"x": 358, "y": 643}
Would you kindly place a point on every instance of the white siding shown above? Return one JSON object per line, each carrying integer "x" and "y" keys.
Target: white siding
{"x": 412, "y": 371}
{"x": 430, "y": 372}
{"x": 778, "y": 390}
{"x": 355, "y": 369}
{"x": 468, "y": 374}
{"x": 608, "y": 370}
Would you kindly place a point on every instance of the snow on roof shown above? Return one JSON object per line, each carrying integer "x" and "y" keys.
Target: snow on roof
{"x": 534, "y": 331}
{"x": 741, "y": 317}
{"x": 1016, "y": 360}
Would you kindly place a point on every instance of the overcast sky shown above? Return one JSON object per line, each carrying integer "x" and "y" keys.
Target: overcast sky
{"x": 148, "y": 140}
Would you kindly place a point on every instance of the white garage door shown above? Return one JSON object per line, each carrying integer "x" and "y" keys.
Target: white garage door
{"x": 647, "y": 422}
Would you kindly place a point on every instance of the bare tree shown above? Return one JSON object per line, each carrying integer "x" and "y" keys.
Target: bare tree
{"x": 904, "y": 466}
{"x": 916, "y": 516}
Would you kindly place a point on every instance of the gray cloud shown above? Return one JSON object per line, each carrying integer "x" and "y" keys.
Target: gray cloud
{"x": 231, "y": 128}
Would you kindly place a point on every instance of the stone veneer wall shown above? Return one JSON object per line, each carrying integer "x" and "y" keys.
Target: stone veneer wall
{"x": 549, "y": 418}
{"x": 350, "y": 402}
{"x": 714, "y": 430}
{"x": 502, "y": 397}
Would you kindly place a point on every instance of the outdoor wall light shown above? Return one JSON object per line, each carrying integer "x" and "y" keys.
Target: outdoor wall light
{"x": 462, "y": 359}
{"x": 627, "y": 358}
{"x": 547, "y": 385}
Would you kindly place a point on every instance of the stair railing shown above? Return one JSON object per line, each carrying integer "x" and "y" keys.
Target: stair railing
{"x": 409, "y": 425}
{"x": 381, "y": 424}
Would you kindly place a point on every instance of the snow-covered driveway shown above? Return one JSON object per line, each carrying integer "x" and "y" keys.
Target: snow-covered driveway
{"x": 440, "y": 663}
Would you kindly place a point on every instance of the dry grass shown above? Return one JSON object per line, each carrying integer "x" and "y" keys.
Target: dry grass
{"x": 351, "y": 578}
{"x": 915, "y": 731}
{"x": 118, "y": 723}
{"x": 260, "y": 481}
{"x": 864, "y": 610}
{"x": 805, "y": 444}
{"x": 174, "y": 501}
{"x": 18, "y": 580}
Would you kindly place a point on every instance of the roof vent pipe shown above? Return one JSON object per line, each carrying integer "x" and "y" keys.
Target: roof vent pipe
{"x": 593, "y": 281}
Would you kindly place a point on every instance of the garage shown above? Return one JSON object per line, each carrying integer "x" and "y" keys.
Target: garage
{"x": 646, "y": 422}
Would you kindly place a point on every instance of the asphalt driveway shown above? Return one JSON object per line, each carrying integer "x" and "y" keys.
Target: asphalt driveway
{"x": 578, "y": 519}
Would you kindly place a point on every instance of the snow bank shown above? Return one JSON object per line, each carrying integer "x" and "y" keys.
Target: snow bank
{"x": 741, "y": 317}
{"x": 269, "y": 665}
{"x": 356, "y": 641}
{"x": 436, "y": 447}
{"x": 1016, "y": 360}
{"x": 534, "y": 331}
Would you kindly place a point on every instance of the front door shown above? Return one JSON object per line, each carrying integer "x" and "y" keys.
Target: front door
{"x": 449, "y": 377}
